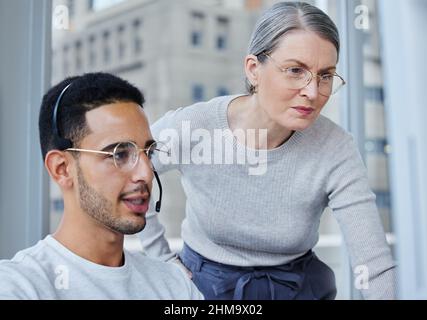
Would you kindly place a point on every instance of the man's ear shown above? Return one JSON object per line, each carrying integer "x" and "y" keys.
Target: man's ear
{"x": 251, "y": 69}
{"x": 60, "y": 168}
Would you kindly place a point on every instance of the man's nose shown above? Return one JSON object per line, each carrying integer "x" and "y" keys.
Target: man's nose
{"x": 143, "y": 170}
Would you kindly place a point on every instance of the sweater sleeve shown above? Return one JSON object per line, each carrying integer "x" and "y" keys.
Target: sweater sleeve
{"x": 152, "y": 238}
{"x": 353, "y": 205}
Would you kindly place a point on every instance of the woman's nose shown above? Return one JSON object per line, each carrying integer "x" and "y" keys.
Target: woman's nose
{"x": 311, "y": 90}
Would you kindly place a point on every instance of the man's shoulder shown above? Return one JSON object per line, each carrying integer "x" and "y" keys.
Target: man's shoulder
{"x": 19, "y": 275}
{"x": 25, "y": 258}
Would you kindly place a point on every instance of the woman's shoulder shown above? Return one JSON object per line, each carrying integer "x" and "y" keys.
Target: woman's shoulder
{"x": 324, "y": 126}
{"x": 326, "y": 132}
{"x": 204, "y": 108}
{"x": 200, "y": 114}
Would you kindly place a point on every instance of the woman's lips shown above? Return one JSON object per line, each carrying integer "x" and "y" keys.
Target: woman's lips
{"x": 304, "y": 111}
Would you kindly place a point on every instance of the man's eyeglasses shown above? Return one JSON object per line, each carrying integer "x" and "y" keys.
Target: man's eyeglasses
{"x": 125, "y": 155}
{"x": 298, "y": 78}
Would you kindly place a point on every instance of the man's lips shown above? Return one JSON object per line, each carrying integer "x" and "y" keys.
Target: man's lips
{"x": 143, "y": 196}
{"x": 137, "y": 203}
{"x": 137, "y": 208}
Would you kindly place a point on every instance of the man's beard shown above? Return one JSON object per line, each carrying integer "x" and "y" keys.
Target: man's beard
{"x": 101, "y": 209}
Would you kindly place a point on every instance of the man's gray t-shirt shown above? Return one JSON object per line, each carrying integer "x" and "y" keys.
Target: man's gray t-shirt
{"x": 49, "y": 270}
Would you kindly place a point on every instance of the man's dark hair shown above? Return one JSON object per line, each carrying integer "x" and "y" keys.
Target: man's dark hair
{"x": 86, "y": 93}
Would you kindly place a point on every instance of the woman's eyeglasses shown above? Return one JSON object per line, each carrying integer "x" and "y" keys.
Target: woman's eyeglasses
{"x": 297, "y": 78}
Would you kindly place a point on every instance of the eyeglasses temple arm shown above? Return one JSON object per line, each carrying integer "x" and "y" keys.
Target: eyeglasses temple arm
{"x": 91, "y": 151}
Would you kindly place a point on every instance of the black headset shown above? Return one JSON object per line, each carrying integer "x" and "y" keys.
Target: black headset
{"x": 63, "y": 143}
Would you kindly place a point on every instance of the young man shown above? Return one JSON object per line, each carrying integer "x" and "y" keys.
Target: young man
{"x": 96, "y": 145}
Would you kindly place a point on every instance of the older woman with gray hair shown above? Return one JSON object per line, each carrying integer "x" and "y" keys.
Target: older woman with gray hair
{"x": 250, "y": 236}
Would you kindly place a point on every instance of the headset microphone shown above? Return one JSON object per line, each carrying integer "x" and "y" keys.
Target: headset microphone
{"x": 159, "y": 202}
